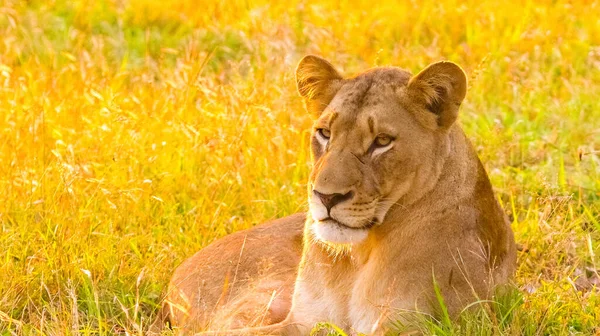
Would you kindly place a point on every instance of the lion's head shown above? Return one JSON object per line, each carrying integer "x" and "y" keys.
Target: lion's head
{"x": 379, "y": 139}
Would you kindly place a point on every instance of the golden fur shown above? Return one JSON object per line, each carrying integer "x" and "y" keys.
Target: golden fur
{"x": 399, "y": 201}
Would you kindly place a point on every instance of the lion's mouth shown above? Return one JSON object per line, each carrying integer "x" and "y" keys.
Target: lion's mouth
{"x": 366, "y": 226}
{"x": 333, "y": 231}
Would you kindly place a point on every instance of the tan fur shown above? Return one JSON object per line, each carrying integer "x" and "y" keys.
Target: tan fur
{"x": 243, "y": 279}
{"x": 418, "y": 212}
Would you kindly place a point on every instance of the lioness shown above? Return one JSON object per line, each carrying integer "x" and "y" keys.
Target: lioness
{"x": 399, "y": 207}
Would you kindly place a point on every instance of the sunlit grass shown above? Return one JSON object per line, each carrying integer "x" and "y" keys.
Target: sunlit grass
{"x": 133, "y": 133}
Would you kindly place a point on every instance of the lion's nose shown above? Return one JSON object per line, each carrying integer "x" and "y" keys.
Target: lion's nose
{"x": 330, "y": 200}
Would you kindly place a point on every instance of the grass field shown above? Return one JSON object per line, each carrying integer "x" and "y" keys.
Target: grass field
{"x": 133, "y": 133}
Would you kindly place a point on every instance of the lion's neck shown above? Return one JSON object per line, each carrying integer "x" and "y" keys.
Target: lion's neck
{"x": 446, "y": 177}
{"x": 435, "y": 188}
{"x": 325, "y": 263}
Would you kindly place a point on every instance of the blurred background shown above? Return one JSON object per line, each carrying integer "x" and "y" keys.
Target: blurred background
{"x": 133, "y": 133}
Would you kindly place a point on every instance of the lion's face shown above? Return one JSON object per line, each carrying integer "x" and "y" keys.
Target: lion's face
{"x": 376, "y": 137}
{"x": 365, "y": 156}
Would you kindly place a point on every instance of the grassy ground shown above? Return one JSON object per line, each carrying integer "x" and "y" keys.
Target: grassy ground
{"x": 133, "y": 133}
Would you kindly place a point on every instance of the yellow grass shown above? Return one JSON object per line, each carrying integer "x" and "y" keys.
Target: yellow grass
{"x": 133, "y": 133}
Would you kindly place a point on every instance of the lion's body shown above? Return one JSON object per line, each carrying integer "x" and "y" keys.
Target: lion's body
{"x": 246, "y": 278}
{"x": 399, "y": 205}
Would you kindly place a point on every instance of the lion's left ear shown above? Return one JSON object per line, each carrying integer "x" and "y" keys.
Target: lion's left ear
{"x": 440, "y": 89}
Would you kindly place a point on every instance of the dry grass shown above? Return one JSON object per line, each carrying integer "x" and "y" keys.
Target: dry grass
{"x": 133, "y": 133}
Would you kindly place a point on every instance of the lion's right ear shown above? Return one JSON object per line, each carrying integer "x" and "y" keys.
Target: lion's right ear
{"x": 317, "y": 82}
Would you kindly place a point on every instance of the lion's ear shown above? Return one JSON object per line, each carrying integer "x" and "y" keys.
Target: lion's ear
{"x": 440, "y": 89}
{"x": 317, "y": 82}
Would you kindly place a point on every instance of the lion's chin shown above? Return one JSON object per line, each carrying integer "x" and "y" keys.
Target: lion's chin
{"x": 331, "y": 231}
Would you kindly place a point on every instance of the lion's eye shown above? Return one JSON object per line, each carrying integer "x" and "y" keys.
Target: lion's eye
{"x": 325, "y": 133}
{"x": 383, "y": 140}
